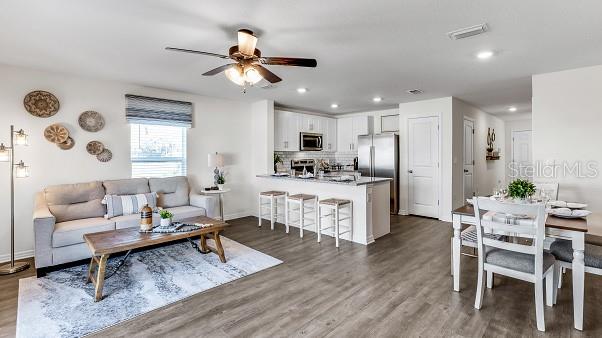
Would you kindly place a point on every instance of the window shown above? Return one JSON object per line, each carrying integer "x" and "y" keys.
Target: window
{"x": 158, "y": 150}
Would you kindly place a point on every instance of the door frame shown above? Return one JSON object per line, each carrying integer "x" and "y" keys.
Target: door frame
{"x": 407, "y": 158}
{"x": 467, "y": 118}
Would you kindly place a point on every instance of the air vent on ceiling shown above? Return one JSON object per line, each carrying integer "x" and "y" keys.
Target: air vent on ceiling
{"x": 414, "y": 91}
{"x": 468, "y": 32}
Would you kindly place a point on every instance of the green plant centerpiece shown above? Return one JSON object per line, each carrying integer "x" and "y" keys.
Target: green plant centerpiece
{"x": 166, "y": 217}
{"x": 521, "y": 189}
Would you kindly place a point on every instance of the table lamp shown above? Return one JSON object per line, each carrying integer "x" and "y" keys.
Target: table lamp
{"x": 19, "y": 170}
{"x": 215, "y": 160}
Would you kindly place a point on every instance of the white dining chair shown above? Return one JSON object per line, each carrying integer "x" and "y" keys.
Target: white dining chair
{"x": 521, "y": 261}
{"x": 563, "y": 251}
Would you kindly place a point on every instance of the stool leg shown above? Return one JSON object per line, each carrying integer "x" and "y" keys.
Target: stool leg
{"x": 316, "y": 213}
{"x": 351, "y": 222}
{"x": 319, "y": 224}
{"x": 286, "y": 211}
{"x": 336, "y": 226}
{"x": 301, "y": 217}
{"x": 272, "y": 212}
{"x": 259, "y": 213}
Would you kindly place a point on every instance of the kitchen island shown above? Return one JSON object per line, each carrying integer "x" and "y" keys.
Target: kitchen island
{"x": 370, "y": 196}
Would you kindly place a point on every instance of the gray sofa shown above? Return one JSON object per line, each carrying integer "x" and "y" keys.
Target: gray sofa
{"x": 64, "y": 213}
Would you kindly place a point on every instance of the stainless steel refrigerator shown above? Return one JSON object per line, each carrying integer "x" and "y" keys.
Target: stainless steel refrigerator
{"x": 378, "y": 156}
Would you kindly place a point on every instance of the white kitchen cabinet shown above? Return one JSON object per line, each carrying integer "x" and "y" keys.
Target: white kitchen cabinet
{"x": 286, "y": 131}
{"x": 311, "y": 123}
{"x": 349, "y": 128}
{"x": 330, "y": 134}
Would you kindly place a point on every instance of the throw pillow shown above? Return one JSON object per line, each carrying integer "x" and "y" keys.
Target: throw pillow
{"x": 118, "y": 205}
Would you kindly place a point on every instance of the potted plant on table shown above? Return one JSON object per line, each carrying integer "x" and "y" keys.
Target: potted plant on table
{"x": 520, "y": 190}
{"x": 166, "y": 217}
{"x": 277, "y": 160}
{"x": 221, "y": 180}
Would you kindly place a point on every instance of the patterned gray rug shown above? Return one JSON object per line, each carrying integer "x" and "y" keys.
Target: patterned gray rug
{"x": 62, "y": 305}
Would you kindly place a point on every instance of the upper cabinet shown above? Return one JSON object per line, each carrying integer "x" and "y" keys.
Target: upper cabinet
{"x": 349, "y": 128}
{"x": 311, "y": 123}
{"x": 286, "y": 131}
{"x": 330, "y": 134}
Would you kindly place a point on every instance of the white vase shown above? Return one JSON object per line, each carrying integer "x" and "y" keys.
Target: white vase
{"x": 165, "y": 222}
{"x": 220, "y": 186}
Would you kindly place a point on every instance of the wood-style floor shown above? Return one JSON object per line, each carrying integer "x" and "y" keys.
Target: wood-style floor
{"x": 398, "y": 286}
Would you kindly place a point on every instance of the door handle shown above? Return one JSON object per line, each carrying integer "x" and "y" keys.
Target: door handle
{"x": 411, "y": 171}
{"x": 465, "y": 170}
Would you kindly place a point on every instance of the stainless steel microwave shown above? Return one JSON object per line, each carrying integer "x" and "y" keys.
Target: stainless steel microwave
{"x": 310, "y": 142}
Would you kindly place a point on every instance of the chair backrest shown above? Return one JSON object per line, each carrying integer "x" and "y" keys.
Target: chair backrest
{"x": 532, "y": 225}
{"x": 551, "y": 188}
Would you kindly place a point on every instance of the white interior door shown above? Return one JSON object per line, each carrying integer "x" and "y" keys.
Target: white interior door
{"x": 423, "y": 166}
{"x": 469, "y": 190}
{"x": 522, "y": 153}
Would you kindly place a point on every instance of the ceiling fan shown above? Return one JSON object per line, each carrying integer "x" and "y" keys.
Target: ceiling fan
{"x": 248, "y": 67}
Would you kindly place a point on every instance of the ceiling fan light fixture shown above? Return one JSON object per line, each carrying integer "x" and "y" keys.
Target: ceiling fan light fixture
{"x": 252, "y": 76}
{"x": 235, "y": 75}
{"x": 246, "y": 42}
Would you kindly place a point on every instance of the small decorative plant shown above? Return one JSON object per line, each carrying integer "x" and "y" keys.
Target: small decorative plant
{"x": 521, "y": 189}
{"x": 165, "y": 214}
{"x": 220, "y": 178}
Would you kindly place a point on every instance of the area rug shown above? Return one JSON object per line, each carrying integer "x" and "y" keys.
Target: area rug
{"x": 62, "y": 305}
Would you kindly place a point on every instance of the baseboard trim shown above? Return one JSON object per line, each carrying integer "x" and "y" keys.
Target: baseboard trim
{"x": 237, "y": 215}
{"x": 403, "y": 213}
{"x": 18, "y": 255}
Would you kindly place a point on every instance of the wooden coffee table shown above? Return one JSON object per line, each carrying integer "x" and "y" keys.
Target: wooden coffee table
{"x": 103, "y": 244}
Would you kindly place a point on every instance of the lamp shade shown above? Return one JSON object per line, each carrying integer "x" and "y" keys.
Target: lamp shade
{"x": 215, "y": 160}
{"x": 21, "y": 138}
{"x": 21, "y": 170}
{"x": 4, "y": 153}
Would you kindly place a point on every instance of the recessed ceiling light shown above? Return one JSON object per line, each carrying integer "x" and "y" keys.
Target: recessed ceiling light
{"x": 512, "y": 109}
{"x": 334, "y": 106}
{"x": 377, "y": 99}
{"x": 486, "y": 54}
{"x": 301, "y": 90}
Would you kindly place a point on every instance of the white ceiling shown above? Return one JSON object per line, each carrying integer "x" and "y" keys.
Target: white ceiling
{"x": 363, "y": 48}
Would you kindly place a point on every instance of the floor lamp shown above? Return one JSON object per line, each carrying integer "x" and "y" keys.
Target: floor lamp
{"x": 19, "y": 170}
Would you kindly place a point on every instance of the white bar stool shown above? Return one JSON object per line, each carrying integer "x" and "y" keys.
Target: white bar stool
{"x": 301, "y": 201}
{"x": 274, "y": 197}
{"x": 335, "y": 206}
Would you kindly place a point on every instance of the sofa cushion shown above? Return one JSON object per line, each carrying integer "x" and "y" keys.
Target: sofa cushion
{"x": 130, "y": 221}
{"x": 171, "y": 191}
{"x": 75, "y": 201}
{"x": 188, "y": 211}
{"x": 128, "y": 204}
{"x": 72, "y": 232}
{"x": 130, "y": 186}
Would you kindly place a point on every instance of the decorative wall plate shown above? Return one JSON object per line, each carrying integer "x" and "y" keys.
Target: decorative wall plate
{"x": 94, "y": 147}
{"x": 105, "y": 156}
{"x": 41, "y": 104}
{"x": 67, "y": 144}
{"x": 91, "y": 121}
{"x": 56, "y": 133}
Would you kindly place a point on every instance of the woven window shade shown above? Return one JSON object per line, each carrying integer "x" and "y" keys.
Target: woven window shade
{"x": 150, "y": 110}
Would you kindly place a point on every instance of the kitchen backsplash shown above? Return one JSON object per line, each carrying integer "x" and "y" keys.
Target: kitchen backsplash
{"x": 331, "y": 156}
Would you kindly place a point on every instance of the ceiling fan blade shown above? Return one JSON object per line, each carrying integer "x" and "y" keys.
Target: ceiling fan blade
{"x": 218, "y": 70}
{"x": 266, "y": 74}
{"x": 284, "y": 61}
{"x": 246, "y": 42}
{"x": 191, "y": 51}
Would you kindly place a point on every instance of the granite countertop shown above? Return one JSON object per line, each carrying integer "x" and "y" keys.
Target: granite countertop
{"x": 329, "y": 180}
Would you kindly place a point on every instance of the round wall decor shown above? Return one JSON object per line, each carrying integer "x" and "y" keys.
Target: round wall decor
{"x": 67, "y": 144}
{"x": 94, "y": 147}
{"x": 41, "y": 104}
{"x": 56, "y": 133}
{"x": 91, "y": 121}
{"x": 105, "y": 156}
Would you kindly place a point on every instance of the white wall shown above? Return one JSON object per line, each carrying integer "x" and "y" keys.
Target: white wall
{"x": 487, "y": 174}
{"x": 376, "y": 115}
{"x": 219, "y": 125}
{"x": 513, "y": 125}
{"x": 436, "y": 107}
{"x": 567, "y": 112}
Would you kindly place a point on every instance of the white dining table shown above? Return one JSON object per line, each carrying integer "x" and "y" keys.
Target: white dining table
{"x": 574, "y": 230}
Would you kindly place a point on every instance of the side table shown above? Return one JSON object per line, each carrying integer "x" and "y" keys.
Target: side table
{"x": 220, "y": 194}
